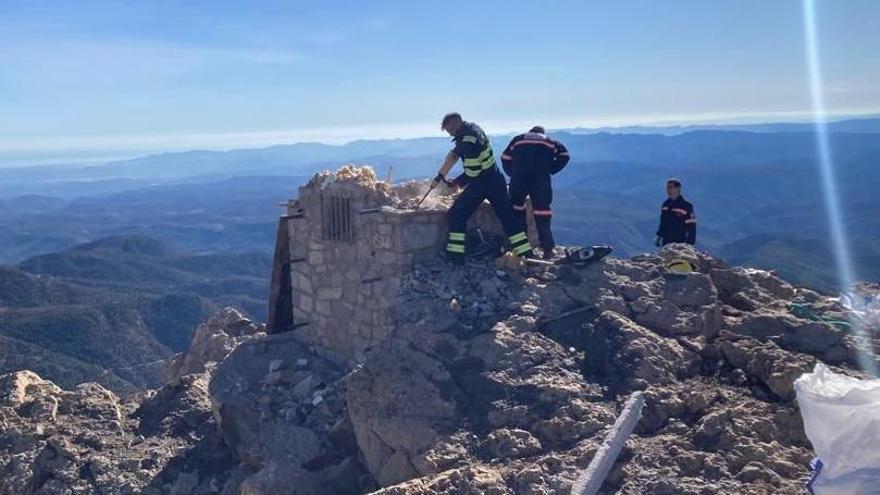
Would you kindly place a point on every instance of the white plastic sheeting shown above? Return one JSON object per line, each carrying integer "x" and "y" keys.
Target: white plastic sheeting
{"x": 842, "y": 420}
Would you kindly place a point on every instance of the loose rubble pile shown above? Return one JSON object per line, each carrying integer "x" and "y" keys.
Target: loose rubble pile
{"x": 363, "y": 177}
{"x": 499, "y": 379}
{"x": 408, "y": 195}
{"x": 405, "y": 195}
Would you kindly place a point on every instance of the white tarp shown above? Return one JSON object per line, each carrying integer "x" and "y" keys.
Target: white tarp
{"x": 842, "y": 420}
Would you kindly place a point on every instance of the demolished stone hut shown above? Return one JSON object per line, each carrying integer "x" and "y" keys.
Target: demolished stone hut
{"x": 342, "y": 248}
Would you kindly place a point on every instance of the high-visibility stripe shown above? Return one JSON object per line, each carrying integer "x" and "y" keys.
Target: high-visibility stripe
{"x": 535, "y": 141}
{"x": 679, "y": 210}
{"x": 485, "y": 154}
{"x": 455, "y": 248}
{"x": 469, "y": 139}
{"x": 665, "y": 208}
{"x": 543, "y": 213}
{"x": 505, "y": 156}
{"x": 564, "y": 153}
{"x": 519, "y": 207}
{"x": 522, "y": 249}
{"x": 517, "y": 238}
{"x": 481, "y": 163}
{"x": 691, "y": 220}
{"x": 456, "y": 236}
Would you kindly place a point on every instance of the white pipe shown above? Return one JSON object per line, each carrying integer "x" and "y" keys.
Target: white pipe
{"x": 589, "y": 482}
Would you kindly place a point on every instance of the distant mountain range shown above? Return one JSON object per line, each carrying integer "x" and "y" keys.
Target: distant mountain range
{"x": 869, "y": 124}
{"x": 111, "y": 310}
{"x": 756, "y": 181}
{"x": 417, "y": 157}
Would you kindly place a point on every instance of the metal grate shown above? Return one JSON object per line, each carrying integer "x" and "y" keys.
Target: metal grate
{"x": 336, "y": 224}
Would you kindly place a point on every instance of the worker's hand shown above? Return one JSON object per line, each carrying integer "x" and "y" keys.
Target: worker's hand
{"x": 658, "y": 241}
{"x": 437, "y": 180}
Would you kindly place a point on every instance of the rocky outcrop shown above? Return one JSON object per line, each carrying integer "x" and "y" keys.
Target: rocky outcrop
{"x": 716, "y": 352}
{"x": 87, "y": 440}
{"x": 281, "y": 411}
{"x": 212, "y": 342}
{"x": 498, "y": 379}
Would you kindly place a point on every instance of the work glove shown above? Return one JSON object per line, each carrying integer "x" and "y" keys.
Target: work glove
{"x": 437, "y": 180}
{"x": 458, "y": 182}
{"x": 658, "y": 241}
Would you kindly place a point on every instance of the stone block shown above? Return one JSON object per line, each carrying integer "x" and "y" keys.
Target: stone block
{"x": 328, "y": 293}
{"x": 302, "y": 283}
{"x": 306, "y": 303}
{"x": 416, "y": 236}
{"x": 300, "y": 316}
{"x": 324, "y": 309}
{"x": 316, "y": 257}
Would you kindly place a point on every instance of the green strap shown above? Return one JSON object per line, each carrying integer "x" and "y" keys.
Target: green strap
{"x": 456, "y": 236}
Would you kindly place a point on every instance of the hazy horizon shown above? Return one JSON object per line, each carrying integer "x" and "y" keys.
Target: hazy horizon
{"x": 342, "y": 136}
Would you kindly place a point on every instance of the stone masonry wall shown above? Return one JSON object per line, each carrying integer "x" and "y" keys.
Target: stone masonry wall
{"x": 342, "y": 291}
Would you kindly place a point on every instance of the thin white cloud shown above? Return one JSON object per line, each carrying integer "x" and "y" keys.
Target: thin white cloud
{"x": 343, "y": 134}
{"x": 65, "y": 61}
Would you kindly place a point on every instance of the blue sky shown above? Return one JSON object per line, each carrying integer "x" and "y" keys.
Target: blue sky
{"x": 119, "y": 77}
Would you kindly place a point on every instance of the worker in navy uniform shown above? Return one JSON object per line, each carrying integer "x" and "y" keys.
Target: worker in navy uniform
{"x": 530, "y": 159}
{"x": 677, "y": 220}
{"x": 481, "y": 180}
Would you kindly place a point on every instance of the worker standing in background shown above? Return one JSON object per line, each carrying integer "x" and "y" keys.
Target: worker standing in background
{"x": 530, "y": 159}
{"x": 483, "y": 180}
{"x": 677, "y": 220}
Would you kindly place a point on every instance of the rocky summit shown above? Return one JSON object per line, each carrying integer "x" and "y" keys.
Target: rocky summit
{"x": 499, "y": 378}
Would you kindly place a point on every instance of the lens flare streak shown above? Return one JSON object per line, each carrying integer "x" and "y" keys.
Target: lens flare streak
{"x": 840, "y": 242}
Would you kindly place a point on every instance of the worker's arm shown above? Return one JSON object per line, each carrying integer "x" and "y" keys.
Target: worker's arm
{"x": 661, "y": 229}
{"x": 561, "y": 158}
{"x": 507, "y": 157}
{"x": 690, "y": 233}
{"x": 450, "y": 160}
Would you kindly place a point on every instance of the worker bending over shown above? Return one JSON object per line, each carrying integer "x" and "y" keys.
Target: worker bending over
{"x": 482, "y": 180}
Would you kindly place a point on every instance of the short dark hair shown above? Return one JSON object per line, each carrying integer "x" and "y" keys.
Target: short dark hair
{"x": 673, "y": 182}
{"x": 450, "y": 117}
{"x": 539, "y": 129}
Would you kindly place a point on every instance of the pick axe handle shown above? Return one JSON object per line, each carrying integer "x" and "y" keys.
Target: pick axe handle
{"x": 433, "y": 185}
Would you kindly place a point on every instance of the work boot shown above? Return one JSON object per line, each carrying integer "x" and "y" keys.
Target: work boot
{"x": 549, "y": 254}
{"x": 455, "y": 258}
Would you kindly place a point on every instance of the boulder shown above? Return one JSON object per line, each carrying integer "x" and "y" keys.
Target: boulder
{"x": 212, "y": 342}
{"x": 623, "y": 353}
{"x": 278, "y": 416}
{"x": 766, "y": 363}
